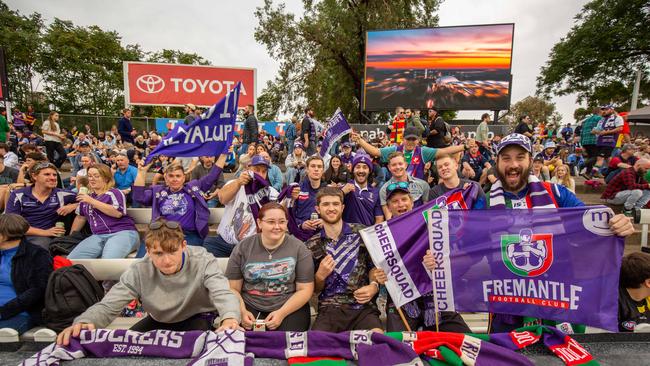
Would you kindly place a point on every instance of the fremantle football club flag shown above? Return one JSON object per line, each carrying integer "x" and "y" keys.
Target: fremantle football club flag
{"x": 209, "y": 135}
{"x": 556, "y": 264}
{"x": 336, "y": 128}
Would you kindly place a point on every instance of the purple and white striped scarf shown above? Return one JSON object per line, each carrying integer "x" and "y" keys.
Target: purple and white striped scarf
{"x": 539, "y": 196}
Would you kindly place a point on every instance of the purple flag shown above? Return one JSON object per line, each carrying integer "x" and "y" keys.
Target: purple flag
{"x": 258, "y": 193}
{"x": 209, "y": 135}
{"x": 557, "y": 264}
{"x": 337, "y": 127}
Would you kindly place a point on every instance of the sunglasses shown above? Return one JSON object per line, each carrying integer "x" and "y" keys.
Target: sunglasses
{"x": 397, "y": 185}
{"x": 169, "y": 224}
{"x": 44, "y": 165}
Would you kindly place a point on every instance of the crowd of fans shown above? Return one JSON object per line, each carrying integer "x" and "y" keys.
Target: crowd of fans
{"x": 304, "y": 241}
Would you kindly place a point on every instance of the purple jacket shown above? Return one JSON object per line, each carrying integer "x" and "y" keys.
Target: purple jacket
{"x": 195, "y": 188}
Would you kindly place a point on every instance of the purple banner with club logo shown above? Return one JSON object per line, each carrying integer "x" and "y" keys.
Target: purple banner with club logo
{"x": 557, "y": 264}
{"x": 209, "y": 135}
{"x": 337, "y": 127}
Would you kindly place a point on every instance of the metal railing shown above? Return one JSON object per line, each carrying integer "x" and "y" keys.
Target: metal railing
{"x": 97, "y": 123}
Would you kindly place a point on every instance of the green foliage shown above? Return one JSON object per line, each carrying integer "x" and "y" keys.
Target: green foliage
{"x": 321, "y": 53}
{"x": 580, "y": 113}
{"x": 447, "y": 115}
{"x": 177, "y": 57}
{"x": 599, "y": 57}
{"x": 539, "y": 109}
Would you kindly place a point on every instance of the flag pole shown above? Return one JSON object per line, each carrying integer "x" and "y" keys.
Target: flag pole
{"x": 435, "y": 302}
{"x": 401, "y": 315}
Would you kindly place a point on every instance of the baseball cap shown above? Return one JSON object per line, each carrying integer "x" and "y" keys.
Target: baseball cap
{"x": 397, "y": 187}
{"x": 346, "y": 144}
{"x": 362, "y": 158}
{"x": 549, "y": 145}
{"x": 607, "y": 106}
{"x": 298, "y": 144}
{"x": 411, "y": 132}
{"x": 258, "y": 160}
{"x": 538, "y": 158}
{"x": 84, "y": 143}
{"x": 515, "y": 139}
{"x": 190, "y": 106}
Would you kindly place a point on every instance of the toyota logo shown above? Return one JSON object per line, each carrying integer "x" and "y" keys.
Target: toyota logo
{"x": 150, "y": 84}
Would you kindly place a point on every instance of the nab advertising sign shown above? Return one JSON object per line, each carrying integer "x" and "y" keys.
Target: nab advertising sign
{"x": 176, "y": 85}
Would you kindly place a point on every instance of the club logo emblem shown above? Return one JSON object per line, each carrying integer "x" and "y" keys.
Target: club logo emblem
{"x": 527, "y": 254}
{"x": 150, "y": 84}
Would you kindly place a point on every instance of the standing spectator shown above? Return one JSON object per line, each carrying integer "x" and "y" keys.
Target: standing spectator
{"x": 411, "y": 120}
{"x": 524, "y": 126}
{"x": 588, "y": 142}
{"x": 482, "y": 131}
{"x": 309, "y": 133}
{"x": 608, "y": 130}
{"x": 291, "y": 133}
{"x": 42, "y": 204}
{"x": 437, "y": 130}
{"x": 251, "y": 128}
{"x": 18, "y": 120}
{"x": 563, "y": 177}
{"x": 629, "y": 188}
{"x": 53, "y": 139}
{"x": 203, "y": 169}
{"x": 567, "y": 133}
{"x": 295, "y": 163}
{"x": 24, "y": 271}
{"x": 4, "y": 125}
{"x": 281, "y": 301}
{"x": 124, "y": 175}
{"x": 104, "y": 208}
{"x": 10, "y": 158}
{"x": 347, "y": 155}
{"x": 189, "y": 114}
{"x": 398, "y": 125}
{"x": 124, "y": 126}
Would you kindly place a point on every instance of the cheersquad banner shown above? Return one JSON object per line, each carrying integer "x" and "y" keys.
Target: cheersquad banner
{"x": 558, "y": 264}
{"x": 176, "y": 85}
{"x": 209, "y": 135}
{"x": 337, "y": 127}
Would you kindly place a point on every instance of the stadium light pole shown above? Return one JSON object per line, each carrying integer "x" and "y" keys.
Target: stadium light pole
{"x": 635, "y": 91}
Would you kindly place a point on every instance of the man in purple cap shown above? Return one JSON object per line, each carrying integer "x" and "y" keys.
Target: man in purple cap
{"x": 607, "y": 131}
{"x": 347, "y": 155}
{"x": 517, "y": 188}
{"x": 362, "y": 204}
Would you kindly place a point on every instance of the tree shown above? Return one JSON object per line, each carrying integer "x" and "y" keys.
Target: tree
{"x": 601, "y": 53}
{"x": 538, "y": 108}
{"x": 82, "y": 68}
{"x": 321, "y": 53}
{"x": 177, "y": 57}
{"x": 20, "y": 36}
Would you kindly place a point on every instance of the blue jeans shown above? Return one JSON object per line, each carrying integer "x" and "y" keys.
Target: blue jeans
{"x": 212, "y": 203}
{"x": 21, "y": 323}
{"x": 116, "y": 245}
{"x": 290, "y": 146}
{"x": 218, "y": 246}
{"x": 191, "y": 237}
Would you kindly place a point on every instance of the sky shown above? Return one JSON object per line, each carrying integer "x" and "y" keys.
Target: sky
{"x": 223, "y": 31}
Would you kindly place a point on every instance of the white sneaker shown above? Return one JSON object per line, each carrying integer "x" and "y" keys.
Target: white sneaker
{"x": 642, "y": 328}
{"x": 45, "y": 335}
{"x": 8, "y": 335}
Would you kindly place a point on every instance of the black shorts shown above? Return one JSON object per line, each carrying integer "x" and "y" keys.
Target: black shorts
{"x": 592, "y": 150}
{"x": 605, "y": 151}
{"x": 343, "y": 318}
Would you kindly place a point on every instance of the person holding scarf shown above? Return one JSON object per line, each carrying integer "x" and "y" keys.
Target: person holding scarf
{"x": 243, "y": 198}
{"x": 517, "y": 188}
{"x": 416, "y": 155}
{"x": 179, "y": 201}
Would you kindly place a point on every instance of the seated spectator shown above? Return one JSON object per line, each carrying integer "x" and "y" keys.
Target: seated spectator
{"x": 10, "y": 158}
{"x": 273, "y": 274}
{"x": 194, "y": 289}
{"x": 343, "y": 280}
{"x": 42, "y": 204}
{"x": 245, "y": 159}
{"x": 124, "y": 175}
{"x": 179, "y": 201}
{"x": 274, "y": 173}
{"x": 24, "y": 271}
{"x": 475, "y": 164}
{"x": 8, "y": 175}
{"x": 550, "y": 157}
{"x": 86, "y": 162}
{"x": 203, "y": 169}
{"x": 337, "y": 173}
{"x": 239, "y": 220}
{"x": 304, "y": 199}
{"x": 618, "y": 163}
{"x": 634, "y": 292}
{"x": 629, "y": 188}
{"x": 563, "y": 177}
{"x": 447, "y": 168}
{"x": 295, "y": 163}
{"x": 104, "y": 208}
{"x": 362, "y": 204}
{"x": 346, "y": 155}
{"x": 539, "y": 170}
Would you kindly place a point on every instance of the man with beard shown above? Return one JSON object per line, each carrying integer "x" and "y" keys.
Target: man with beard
{"x": 420, "y": 312}
{"x": 608, "y": 130}
{"x": 345, "y": 284}
{"x": 416, "y": 156}
{"x": 250, "y": 133}
{"x": 362, "y": 204}
{"x": 309, "y": 132}
{"x": 516, "y": 188}
{"x": 629, "y": 188}
{"x": 448, "y": 172}
{"x": 419, "y": 188}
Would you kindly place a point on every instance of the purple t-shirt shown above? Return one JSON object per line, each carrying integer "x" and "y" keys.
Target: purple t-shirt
{"x": 361, "y": 206}
{"x": 101, "y": 223}
{"x": 178, "y": 207}
{"x": 38, "y": 214}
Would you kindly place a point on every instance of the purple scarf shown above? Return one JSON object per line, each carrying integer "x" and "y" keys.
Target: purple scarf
{"x": 416, "y": 166}
{"x": 294, "y": 228}
{"x": 258, "y": 192}
{"x": 537, "y": 196}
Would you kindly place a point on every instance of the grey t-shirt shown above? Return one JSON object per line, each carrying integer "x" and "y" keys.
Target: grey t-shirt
{"x": 419, "y": 190}
{"x": 8, "y": 175}
{"x": 441, "y": 189}
{"x": 268, "y": 283}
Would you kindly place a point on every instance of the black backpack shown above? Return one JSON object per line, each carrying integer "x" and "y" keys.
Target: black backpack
{"x": 70, "y": 291}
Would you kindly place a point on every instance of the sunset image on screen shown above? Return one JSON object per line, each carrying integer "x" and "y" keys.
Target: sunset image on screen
{"x": 450, "y": 68}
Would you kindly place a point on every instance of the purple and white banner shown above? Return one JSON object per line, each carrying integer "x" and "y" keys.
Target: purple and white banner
{"x": 557, "y": 264}
{"x": 209, "y": 135}
{"x": 336, "y": 128}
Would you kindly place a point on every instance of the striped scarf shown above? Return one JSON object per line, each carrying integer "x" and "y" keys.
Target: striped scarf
{"x": 537, "y": 195}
